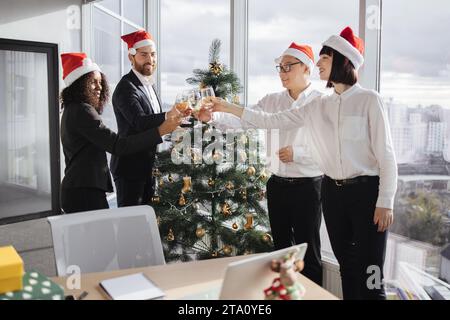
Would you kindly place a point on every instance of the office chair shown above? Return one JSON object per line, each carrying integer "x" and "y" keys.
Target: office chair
{"x": 105, "y": 240}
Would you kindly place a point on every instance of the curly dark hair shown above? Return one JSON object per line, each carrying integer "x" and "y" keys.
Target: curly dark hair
{"x": 80, "y": 92}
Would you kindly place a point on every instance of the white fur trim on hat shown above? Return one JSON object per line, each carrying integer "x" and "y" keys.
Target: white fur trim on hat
{"x": 299, "y": 55}
{"x": 140, "y": 44}
{"x": 88, "y": 66}
{"x": 344, "y": 47}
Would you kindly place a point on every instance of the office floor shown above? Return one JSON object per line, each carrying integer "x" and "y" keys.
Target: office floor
{"x": 33, "y": 241}
{"x": 16, "y": 201}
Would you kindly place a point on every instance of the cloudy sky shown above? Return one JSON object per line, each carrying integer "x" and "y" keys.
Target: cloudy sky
{"x": 415, "y": 45}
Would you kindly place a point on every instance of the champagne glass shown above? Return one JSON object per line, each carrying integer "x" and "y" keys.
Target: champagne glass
{"x": 195, "y": 99}
{"x": 182, "y": 104}
{"x": 206, "y": 94}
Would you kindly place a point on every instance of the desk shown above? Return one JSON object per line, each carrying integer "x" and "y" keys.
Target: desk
{"x": 180, "y": 279}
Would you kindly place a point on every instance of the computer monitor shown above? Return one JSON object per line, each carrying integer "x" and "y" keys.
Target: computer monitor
{"x": 246, "y": 279}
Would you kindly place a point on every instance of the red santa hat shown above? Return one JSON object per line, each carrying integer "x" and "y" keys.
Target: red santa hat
{"x": 304, "y": 53}
{"x": 75, "y": 65}
{"x": 349, "y": 45}
{"x": 137, "y": 40}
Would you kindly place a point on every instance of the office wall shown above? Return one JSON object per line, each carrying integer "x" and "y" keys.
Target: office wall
{"x": 43, "y": 20}
{"x": 53, "y": 21}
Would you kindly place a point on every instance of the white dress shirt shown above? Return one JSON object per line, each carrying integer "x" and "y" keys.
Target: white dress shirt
{"x": 149, "y": 91}
{"x": 303, "y": 165}
{"x": 349, "y": 136}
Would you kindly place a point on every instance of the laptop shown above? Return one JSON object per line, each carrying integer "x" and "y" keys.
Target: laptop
{"x": 246, "y": 279}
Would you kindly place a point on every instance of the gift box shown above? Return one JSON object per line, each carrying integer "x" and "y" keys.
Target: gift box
{"x": 36, "y": 287}
{"x": 11, "y": 270}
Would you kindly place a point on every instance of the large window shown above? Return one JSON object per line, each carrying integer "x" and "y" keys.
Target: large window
{"x": 187, "y": 29}
{"x": 415, "y": 83}
{"x": 273, "y": 25}
{"x": 414, "y": 78}
{"x": 29, "y": 171}
{"x": 111, "y": 20}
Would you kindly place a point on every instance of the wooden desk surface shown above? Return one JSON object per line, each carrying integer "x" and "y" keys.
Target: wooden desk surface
{"x": 180, "y": 279}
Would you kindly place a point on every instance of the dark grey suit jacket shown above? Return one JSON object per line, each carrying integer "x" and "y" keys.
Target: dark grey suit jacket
{"x": 134, "y": 114}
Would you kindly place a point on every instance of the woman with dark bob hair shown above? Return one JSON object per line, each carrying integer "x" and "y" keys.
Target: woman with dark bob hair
{"x": 85, "y": 139}
{"x": 349, "y": 137}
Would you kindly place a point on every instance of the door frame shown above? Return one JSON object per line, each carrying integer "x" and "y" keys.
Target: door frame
{"x": 51, "y": 50}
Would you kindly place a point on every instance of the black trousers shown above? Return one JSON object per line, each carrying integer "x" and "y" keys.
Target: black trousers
{"x": 83, "y": 199}
{"x": 348, "y": 211}
{"x": 133, "y": 192}
{"x": 295, "y": 217}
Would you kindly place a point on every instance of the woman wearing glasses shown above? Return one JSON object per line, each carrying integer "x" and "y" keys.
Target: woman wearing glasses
{"x": 293, "y": 190}
{"x": 351, "y": 142}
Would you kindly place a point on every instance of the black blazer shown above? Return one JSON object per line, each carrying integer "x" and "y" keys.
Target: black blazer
{"x": 85, "y": 139}
{"x": 134, "y": 114}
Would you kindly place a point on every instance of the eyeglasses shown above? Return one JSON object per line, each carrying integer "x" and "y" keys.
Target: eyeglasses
{"x": 286, "y": 67}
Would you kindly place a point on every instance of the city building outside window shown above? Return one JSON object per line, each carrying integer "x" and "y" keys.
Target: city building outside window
{"x": 415, "y": 84}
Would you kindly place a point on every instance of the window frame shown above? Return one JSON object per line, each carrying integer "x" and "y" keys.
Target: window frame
{"x": 51, "y": 51}
{"x": 87, "y": 11}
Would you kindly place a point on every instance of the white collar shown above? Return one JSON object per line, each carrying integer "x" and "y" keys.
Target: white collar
{"x": 347, "y": 93}
{"x": 305, "y": 93}
{"x": 146, "y": 81}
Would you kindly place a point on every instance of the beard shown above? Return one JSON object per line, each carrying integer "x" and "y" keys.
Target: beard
{"x": 144, "y": 70}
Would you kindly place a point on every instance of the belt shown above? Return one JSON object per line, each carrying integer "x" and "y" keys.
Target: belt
{"x": 295, "y": 180}
{"x": 356, "y": 180}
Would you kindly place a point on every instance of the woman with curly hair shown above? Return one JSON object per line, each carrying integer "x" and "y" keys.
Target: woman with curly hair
{"x": 86, "y": 139}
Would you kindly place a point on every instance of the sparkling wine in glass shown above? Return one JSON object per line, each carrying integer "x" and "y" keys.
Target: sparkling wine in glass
{"x": 207, "y": 93}
{"x": 183, "y": 105}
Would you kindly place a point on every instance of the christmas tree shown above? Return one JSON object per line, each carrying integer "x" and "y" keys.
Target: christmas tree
{"x": 210, "y": 186}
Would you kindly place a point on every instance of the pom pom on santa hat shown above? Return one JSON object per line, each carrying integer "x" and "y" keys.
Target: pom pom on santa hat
{"x": 304, "y": 53}
{"x": 138, "y": 39}
{"x": 75, "y": 65}
{"x": 349, "y": 45}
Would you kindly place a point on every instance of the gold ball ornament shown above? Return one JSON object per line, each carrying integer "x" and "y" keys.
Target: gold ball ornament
{"x": 267, "y": 237}
{"x": 200, "y": 232}
{"x": 235, "y": 226}
{"x": 263, "y": 174}
{"x": 227, "y": 250}
{"x": 182, "y": 200}
{"x": 211, "y": 182}
{"x": 251, "y": 171}
{"x": 156, "y": 199}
